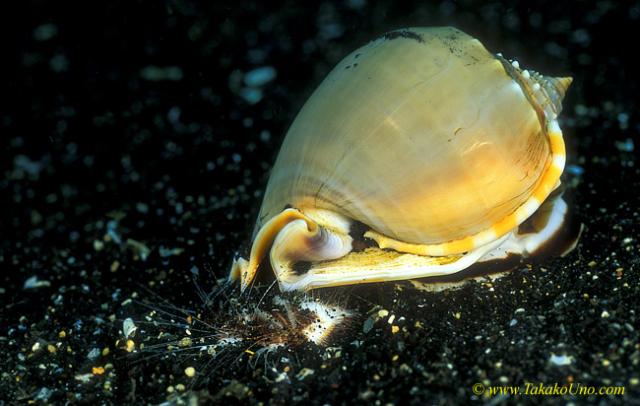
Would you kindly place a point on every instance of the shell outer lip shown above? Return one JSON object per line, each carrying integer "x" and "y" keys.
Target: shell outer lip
{"x": 549, "y": 181}
{"x": 262, "y": 243}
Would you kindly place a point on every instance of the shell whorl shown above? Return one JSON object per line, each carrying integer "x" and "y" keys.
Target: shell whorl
{"x": 546, "y": 93}
{"x": 556, "y": 88}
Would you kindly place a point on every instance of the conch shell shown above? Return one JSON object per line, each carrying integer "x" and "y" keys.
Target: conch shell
{"x": 419, "y": 155}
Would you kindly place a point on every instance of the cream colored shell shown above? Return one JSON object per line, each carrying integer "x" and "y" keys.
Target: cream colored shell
{"x": 431, "y": 142}
{"x": 456, "y": 144}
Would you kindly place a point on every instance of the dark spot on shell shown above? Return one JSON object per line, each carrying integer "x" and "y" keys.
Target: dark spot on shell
{"x": 356, "y": 56}
{"x": 403, "y": 34}
{"x": 453, "y": 36}
{"x": 301, "y": 267}
{"x": 357, "y": 230}
{"x": 360, "y": 243}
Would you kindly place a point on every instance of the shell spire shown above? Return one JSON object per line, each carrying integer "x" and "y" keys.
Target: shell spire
{"x": 556, "y": 88}
{"x": 545, "y": 92}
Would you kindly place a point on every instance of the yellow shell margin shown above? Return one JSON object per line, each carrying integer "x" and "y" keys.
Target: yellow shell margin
{"x": 549, "y": 181}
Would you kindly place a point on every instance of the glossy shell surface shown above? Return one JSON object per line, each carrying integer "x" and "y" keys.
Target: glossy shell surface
{"x": 427, "y": 140}
{"x": 424, "y": 139}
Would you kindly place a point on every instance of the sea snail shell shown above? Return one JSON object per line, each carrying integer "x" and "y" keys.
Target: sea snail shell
{"x": 419, "y": 155}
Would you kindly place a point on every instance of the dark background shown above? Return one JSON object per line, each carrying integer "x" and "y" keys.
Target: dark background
{"x": 127, "y": 122}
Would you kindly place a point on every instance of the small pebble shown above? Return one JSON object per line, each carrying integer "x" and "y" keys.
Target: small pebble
{"x": 35, "y": 283}
{"x": 97, "y": 370}
{"x": 128, "y": 327}
{"x": 190, "y": 372}
{"x": 260, "y": 76}
{"x": 561, "y": 360}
